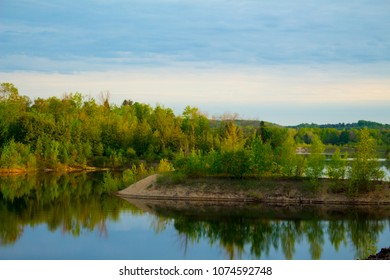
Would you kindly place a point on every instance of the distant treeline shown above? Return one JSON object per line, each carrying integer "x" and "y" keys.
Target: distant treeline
{"x": 78, "y": 131}
{"x": 340, "y": 126}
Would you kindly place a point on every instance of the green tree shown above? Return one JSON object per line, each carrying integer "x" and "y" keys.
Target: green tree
{"x": 261, "y": 157}
{"x": 337, "y": 166}
{"x": 12, "y": 107}
{"x": 316, "y": 160}
{"x": 10, "y": 156}
{"x": 365, "y": 167}
{"x": 233, "y": 138}
{"x": 287, "y": 155}
{"x": 167, "y": 132}
{"x": 195, "y": 127}
{"x": 194, "y": 165}
{"x": 165, "y": 166}
{"x": 235, "y": 163}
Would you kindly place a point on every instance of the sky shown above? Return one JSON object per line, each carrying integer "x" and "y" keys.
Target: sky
{"x": 287, "y": 62}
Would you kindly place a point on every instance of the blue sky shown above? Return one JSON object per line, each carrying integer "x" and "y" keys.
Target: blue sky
{"x": 282, "y": 61}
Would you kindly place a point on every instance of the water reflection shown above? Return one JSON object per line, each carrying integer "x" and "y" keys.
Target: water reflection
{"x": 265, "y": 228}
{"x": 78, "y": 204}
{"x": 71, "y": 202}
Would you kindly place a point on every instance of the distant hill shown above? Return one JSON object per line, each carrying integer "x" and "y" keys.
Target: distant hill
{"x": 360, "y": 124}
{"x": 245, "y": 123}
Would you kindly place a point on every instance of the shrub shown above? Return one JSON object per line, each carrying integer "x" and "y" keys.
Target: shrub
{"x": 128, "y": 177}
{"x": 110, "y": 183}
{"x": 195, "y": 165}
{"x": 165, "y": 166}
{"x": 337, "y": 166}
{"x": 316, "y": 160}
{"x": 172, "y": 178}
{"x": 365, "y": 168}
{"x": 235, "y": 163}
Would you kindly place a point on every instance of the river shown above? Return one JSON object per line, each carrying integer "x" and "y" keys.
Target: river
{"x": 75, "y": 216}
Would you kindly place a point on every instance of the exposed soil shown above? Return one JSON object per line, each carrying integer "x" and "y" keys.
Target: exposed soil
{"x": 269, "y": 190}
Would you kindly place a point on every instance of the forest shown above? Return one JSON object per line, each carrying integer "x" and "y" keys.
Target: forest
{"x": 77, "y": 131}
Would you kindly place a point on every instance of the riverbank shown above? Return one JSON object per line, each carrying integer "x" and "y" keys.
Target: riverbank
{"x": 18, "y": 171}
{"x": 269, "y": 190}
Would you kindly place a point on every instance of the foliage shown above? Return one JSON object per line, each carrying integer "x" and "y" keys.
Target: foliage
{"x": 316, "y": 160}
{"x": 194, "y": 165}
{"x": 165, "y": 166}
{"x": 110, "y": 183}
{"x": 76, "y": 131}
{"x": 235, "y": 163}
{"x": 232, "y": 139}
{"x": 287, "y": 157}
{"x": 261, "y": 157}
{"x": 337, "y": 166}
{"x": 172, "y": 178}
{"x": 129, "y": 176}
{"x": 359, "y": 125}
{"x": 17, "y": 155}
{"x": 142, "y": 171}
{"x": 365, "y": 167}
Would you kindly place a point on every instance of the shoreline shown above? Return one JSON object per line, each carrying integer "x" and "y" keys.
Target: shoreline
{"x": 267, "y": 190}
{"x": 21, "y": 171}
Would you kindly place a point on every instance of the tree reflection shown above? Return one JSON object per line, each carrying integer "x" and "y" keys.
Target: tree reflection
{"x": 364, "y": 235}
{"x": 69, "y": 202}
{"x": 234, "y": 233}
{"x": 75, "y": 203}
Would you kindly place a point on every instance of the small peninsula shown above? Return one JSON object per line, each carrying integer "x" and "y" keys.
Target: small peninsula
{"x": 265, "y": 190}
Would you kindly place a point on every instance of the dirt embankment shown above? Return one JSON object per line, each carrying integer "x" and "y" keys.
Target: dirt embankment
{"x": 252, "y": 190}
{"x": 141, "y": 188}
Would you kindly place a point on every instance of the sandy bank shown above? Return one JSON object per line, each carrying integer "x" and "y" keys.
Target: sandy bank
{"x": 252, "y": 190}
{"x": 148, "y": 189}
{"x": 140, "y": 188}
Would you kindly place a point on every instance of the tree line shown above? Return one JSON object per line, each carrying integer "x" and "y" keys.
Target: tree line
{"x": 78, "y": 131}
{"x": 340, "y": 126}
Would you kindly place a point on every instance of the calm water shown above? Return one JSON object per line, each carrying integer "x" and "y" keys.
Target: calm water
{"x": 74, "y": 217}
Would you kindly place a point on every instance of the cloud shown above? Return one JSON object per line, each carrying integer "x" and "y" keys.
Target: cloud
{"x": 220, "y": 54}
{"x": 240, "y": 32}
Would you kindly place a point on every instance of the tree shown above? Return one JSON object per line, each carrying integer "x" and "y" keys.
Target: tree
{"x": 288, "y": 156}
{"x": 8, "y": 92}
{"x": 104, "y": 98}
{"x": 166, "y": 129}
{"x": 235, "y": 163}
{"x": 264, "y": 133}
{"x": 233, "y": 139}
{"x": 195, "y": 127}
{"x": 365, "y": 168}
{"x": 316, "y": 160}
{"x": 12, "y": 107}
{"x": 10, "y": 156}
{"x": 337, "y": 166}
{"x": 261, "y": 157}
